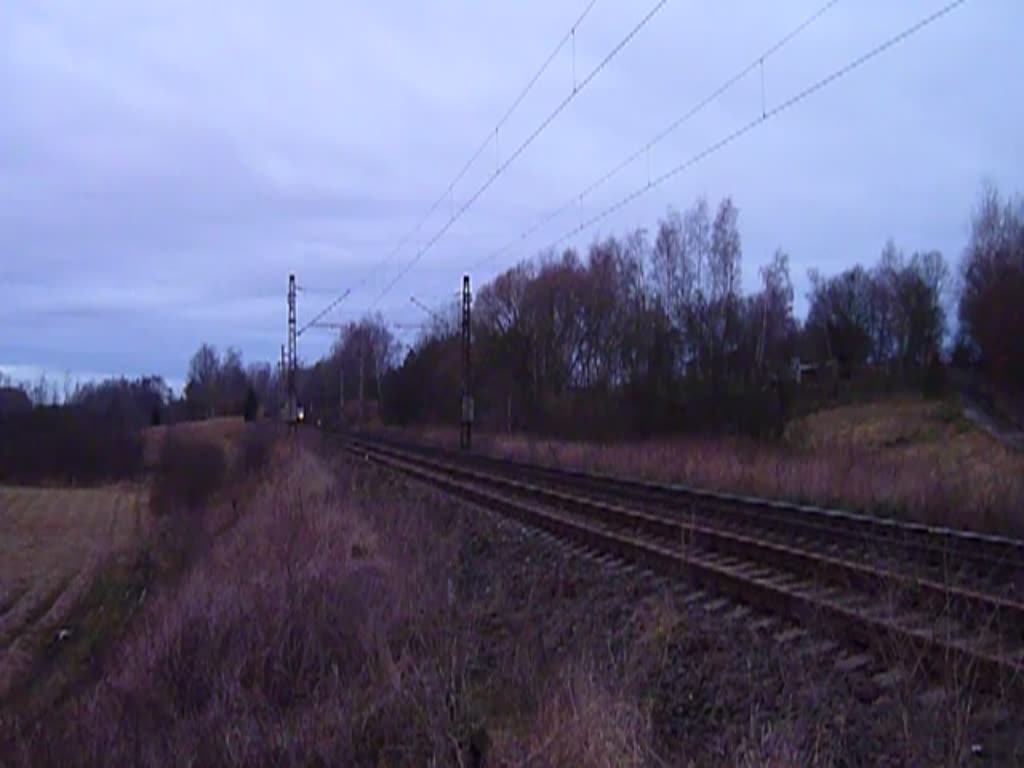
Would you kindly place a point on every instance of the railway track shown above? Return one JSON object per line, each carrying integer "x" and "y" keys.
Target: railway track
{"x": 823, "y": 569}
{"x": 990, "y": 563}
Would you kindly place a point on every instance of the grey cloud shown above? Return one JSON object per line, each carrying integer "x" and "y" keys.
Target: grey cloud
{"x": 165, "y": 165}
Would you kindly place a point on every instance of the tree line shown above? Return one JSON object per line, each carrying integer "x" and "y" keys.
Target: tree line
{"x": 86, "y": 433}
{"x": 642, "y": 333}
{"x": 221, "y": 385}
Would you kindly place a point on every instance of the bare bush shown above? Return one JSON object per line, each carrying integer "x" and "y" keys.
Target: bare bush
{"x": 288, "y": 643}
{"x": 256, "y": 447}
{"x": 188, "y": 474}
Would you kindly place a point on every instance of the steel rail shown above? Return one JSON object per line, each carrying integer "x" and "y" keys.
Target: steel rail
{"x": 802, "y": 585}
{"x": 989, "y": 556}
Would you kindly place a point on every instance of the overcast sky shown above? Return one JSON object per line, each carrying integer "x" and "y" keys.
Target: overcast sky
{"x": 164, "y": 165}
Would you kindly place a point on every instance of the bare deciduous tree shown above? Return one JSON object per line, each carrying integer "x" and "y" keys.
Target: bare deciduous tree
{"x": 991, "y": 310}
{"x": 773, "y": 312}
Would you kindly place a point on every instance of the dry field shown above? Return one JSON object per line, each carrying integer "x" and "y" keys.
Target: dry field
{"x": 54, "y": 542}
{"x": 903, "y": 457}
{"x": 74, "y": 560}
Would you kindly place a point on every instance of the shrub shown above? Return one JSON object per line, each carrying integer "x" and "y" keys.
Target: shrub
{"x": 287, "y": 643}
{"x": 256, "y": 447}
{"x": 188, "y": 474}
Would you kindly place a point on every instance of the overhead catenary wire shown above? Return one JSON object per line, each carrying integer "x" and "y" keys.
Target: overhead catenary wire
{"x": 319, "y": 315}
{"x": 645, "y": 149}
{"x": 426, "y": 309}
{"x": 523, "y": 146}
{"x": 492, "y": 134}
{"x": 335, "y": 327}
{"x": 762, "y": 118}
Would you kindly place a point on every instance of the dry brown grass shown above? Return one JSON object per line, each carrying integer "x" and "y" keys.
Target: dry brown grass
{"x": 350, "y": 618}
{"x": 327, "y": 627}
{"x": 580, "y": 721}
{"x": 905, "y": 457}
{"x": 77, "y": 564}
{"x": 54, "y": 541}
{"x": 225, "y": 432}
{"x": 910, "y": 427}
{"x": 52, "y": 532}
